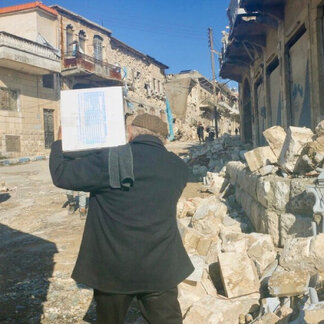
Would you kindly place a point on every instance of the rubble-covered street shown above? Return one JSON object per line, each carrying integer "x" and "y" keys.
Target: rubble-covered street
{"x": 243, "y": 274}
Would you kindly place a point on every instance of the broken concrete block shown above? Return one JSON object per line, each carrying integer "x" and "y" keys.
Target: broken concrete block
{"x": 208, "y": 217}
{"x": 239, "y": 277}
{"x": 304, "y": 254}
{"x": 233, "y": 241}
{"x": 190, "y": 238}
{"x": 295, "y": 140}
{"x": 296, "y": 255}
{"x": 204, "y": 245}
{"x": 215, "y": 182}
{"x": 294, "y": 226}
{"x": 275, "y": 136}
{"x": 262, "y": 251}
{"x": 300, "y": 201}
{"x": 273, "y": 192}
{"x": 211, "y": 310}
{"x": 199, "y": 265}
{"x": 314, "y": 314}
{"x": 260, "y": 157}
{"x": 268, "y": 169}
{"x": 232, "y": 170}
{"x": 213, "y": 252}
{"x": 288, "y": 283}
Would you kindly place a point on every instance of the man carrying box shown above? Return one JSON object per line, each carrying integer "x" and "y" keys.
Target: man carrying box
{"x": 131, "y": 245}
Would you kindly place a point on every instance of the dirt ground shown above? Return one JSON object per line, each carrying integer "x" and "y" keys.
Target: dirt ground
{"x": 39, "y": 242}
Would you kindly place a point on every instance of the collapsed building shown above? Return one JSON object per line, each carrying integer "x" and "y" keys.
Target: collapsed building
{"x": 47, "y": 49}
{"x": 274, "y": 49}
{"x": 192, "y": 100}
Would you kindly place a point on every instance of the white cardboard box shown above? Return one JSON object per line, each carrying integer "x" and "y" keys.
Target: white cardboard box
{"x": 92, "y": 118}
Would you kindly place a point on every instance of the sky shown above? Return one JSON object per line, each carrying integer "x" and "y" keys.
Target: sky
{"x": 175, "y": 32}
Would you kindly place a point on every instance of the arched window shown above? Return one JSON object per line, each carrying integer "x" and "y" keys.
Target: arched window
{"x": 97, "y": 47}
{"x": 69, "y": 39}
{"x": 82, "y": 38}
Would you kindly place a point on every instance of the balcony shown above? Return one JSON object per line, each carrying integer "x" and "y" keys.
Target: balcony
{"x": 27, "y": 56}
{"x": 274, "y": 7}
{"x": 246, "y": 38}
{"x": 79, "y": 65}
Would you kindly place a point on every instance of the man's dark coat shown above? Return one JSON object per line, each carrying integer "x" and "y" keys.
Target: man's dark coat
{"x": 131, "y": 242}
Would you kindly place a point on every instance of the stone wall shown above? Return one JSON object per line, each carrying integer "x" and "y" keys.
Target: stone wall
{"x": 275, "y": 205}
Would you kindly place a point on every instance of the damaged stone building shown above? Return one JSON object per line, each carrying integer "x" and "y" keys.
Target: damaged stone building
{"x": 274, "y": 49}
{"x": 29, "y": 79}
{"x": 192, "y": 99}
{"x": 47, "y": 49}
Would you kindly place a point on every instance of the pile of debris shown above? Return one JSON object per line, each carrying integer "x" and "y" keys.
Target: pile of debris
{"x": 185, "y": 132}
{"x": 240, "y": 276}
{"x": 213, "y": 156}
{"x": 297, "y": 152}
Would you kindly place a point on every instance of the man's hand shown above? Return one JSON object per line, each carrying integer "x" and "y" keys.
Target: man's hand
{"x": 59, "y": 133}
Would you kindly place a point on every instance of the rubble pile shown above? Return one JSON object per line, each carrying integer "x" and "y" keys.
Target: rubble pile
{"x": 185, "y": 132}
{"x": 241, "y": 276}
{"x": 213, "y": 155}
{"x": 277, "y": 274}
{"x": 297, "y": 152}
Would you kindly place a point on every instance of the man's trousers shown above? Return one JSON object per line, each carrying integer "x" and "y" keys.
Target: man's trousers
{"x": 160, "y": 307}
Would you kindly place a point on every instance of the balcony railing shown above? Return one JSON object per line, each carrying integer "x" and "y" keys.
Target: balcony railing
{"x": 25, "y": 45}
{"x": 91, "y": 64}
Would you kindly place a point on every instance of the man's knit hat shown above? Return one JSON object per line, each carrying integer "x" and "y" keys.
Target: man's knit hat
{"x": 152, "y": 123}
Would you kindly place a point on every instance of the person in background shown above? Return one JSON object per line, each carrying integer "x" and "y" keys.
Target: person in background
{"x": 200, "y": 132}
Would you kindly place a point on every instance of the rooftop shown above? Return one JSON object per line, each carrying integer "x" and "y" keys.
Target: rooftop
{"x": 28, "y": 6}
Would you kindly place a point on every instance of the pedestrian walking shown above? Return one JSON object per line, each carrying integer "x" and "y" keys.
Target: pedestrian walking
{"x": 131, "y": 246}
{"x": 200, "y": 132}
{"x": 72, "y": 203}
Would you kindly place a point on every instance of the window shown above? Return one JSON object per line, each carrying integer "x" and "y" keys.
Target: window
{"x": 97, "y": 47}
{"x": 8, "y": 99}
{"x": 69, "y": 39}
{"x": 82, "y": 38}
{"x": 48, "y": 81}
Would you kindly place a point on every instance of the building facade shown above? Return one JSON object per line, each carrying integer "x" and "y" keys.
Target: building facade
{"x": 192, "y": 100}
{"x": 274, "y": 49}
{"x": 47, "y": 49}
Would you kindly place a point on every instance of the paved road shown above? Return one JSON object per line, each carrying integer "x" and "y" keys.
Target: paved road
{"x": 39, "y": 243}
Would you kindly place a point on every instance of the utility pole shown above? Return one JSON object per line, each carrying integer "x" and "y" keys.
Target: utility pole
{"x": 212, "y": 52}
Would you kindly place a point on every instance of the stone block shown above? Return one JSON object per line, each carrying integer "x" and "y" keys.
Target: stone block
{"x": 199, "y": 265}
{"x": 213, "y": 252}
{"x": 294, "y": 226}
{"x": 190, "y": 238}
{"x": 260, "y": 157}
{"x": 268, "y": 169}
{"x": 288, "y": 283}
{"x": 261, "y": 250}
{"x": 269, "y": 318}
{"x": 232, "y": 170}
{"x": 233, "y": 241}
{"x": 216, "y": 183}
{"x": 239, "y": 277}
{"x": 204, "y": 245}
{"x": 300, "y": 201}
{"x": 295, "y": 140}
{"x": 298, "y": 254}
{"x": 319, "y": 129}
{"x": 275, "y": 136}
{"x": 212, "y": 310}
{"x": 273, "y": 192}
{"x": 314, "y": 314}
{"x": 208, "y": 218}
